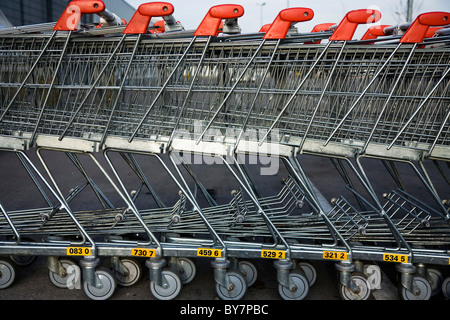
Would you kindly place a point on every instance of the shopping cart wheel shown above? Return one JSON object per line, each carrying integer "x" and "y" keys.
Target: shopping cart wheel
{"x": 436, "y": 278}
{"x": 300, "y": 289}
{"x": 237, "y": 289}
{"x": 309, "y": 271}
{"x": 7, "y": 273}
{"x": 424, "y": 292}
{"x": 186, "y": 269}
{"x": 172, "y": 290}
{"x": 249, "y": 271}
{"x": 133, "y": 275}
{"x": 364, "y": 290}
{"x": 446, "y": 288}
{"x": 72, "y": 277}
{"x": 21, "y": 260}
{"x": 105, "y": 290}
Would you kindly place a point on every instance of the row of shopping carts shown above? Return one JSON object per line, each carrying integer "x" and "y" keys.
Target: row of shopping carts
{"x": 119, "y": 96}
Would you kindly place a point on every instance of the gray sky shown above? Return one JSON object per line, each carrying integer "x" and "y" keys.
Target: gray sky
{"x": 191, "y": 12}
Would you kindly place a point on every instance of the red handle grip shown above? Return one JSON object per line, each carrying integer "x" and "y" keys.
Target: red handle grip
{"x": 265, "y": 27}
{"x": 211, "y": 22}
{"x": 322, "y": 27}
{"x": 141, "y": 18}
{"x": 346, "y": 29}
{"x": 375, "y": 32}
{"x": 285, "y": 18}
{"x": 418, "y": 29}
{"x": 71, "y": 17}
{"x": 432, "y": 31}
{"x": 161, "y": 27}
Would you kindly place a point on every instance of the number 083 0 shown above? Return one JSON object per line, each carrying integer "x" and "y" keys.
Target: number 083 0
{"x": 78, "y": 251}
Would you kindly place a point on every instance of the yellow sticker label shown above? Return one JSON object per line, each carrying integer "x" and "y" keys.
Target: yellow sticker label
{"x": 78, "y": 251}
{"x": 389, "y": 257}
{"x": 335, "y": 255}
{"x": 207, "y": 252}
{"x": 273, "y": 254}
{"x": 140, "y": 252}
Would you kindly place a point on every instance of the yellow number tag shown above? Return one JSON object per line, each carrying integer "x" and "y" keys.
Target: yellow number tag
{"x": 273, "y": 254}
{"x": 403, "y": 258}
{"x": 335, "y": 255}
{"x": 140, "y": 252}
{"x": 206, "y": 252}
{"x": 78, "y": 251}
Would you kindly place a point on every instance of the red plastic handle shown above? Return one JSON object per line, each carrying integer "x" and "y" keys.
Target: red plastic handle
{"x": 375, "y": 32}
{"x": 280, "y": 26}
{"x": 322, "y": 27}
{"x": 141, "y": 18}
{"x": 71, "y": 17}
{"x": 211, "y": 22}
{"x": 161, "y": 27}
{"x": 432, "y": 31}
{"x": 346, "y": 29}
{"x": 265, "y": 27}
{"x": 418, "y": 29}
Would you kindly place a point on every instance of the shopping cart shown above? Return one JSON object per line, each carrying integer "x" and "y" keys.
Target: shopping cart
{"x": 276, "y": 93}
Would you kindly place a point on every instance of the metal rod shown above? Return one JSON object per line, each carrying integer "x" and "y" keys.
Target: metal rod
{"x": 273, "y": 230}
{"x": 161, "y": 90}
{"x": 47, "y": 96}
{"x": 191, "y": 86}
{"x": 320, "y": 98}
{"x": 244, "y": 125}
{"x": 231, "y": 90}
{"x": 418, "y": 109}
{"x": 72, "y": 119}
{"x": 362, "y": 94}
{"x": 291, "y": 98}
{"x": 388, "y": 99}
{"x": 64, "y": 205}
{"x": 124, "y": 79}
{"x": 29, "y": 73}
{"x": 444, "y": 122}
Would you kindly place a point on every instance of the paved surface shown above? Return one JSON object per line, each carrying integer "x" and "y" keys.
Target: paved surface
{"x": 32, "y": 282}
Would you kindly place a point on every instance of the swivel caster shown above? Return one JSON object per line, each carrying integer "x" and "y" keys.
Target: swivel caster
{"x": 230, "y": 284}
{"x": 292, "y": 283}
{"x": 363, "y": 289}
{"x": 412, "y": 286}
{"x": 235, "y": 290}
{"x": 7, "y": 273}
{"x": 104, "y": 288}
{"x": 64, "y": 273}
{"x": 165, "y": 284}
{"x": 309, "y": 271}
{"x": 446, "y": 288}
{"x": 299, "y": 288}
{"x": 184, "y": 267}
{"x": 128, "y": 272}
{"x": 249, "y": 271}
{"x": 352, "y": 285}
{"x": 170, "y": 287}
